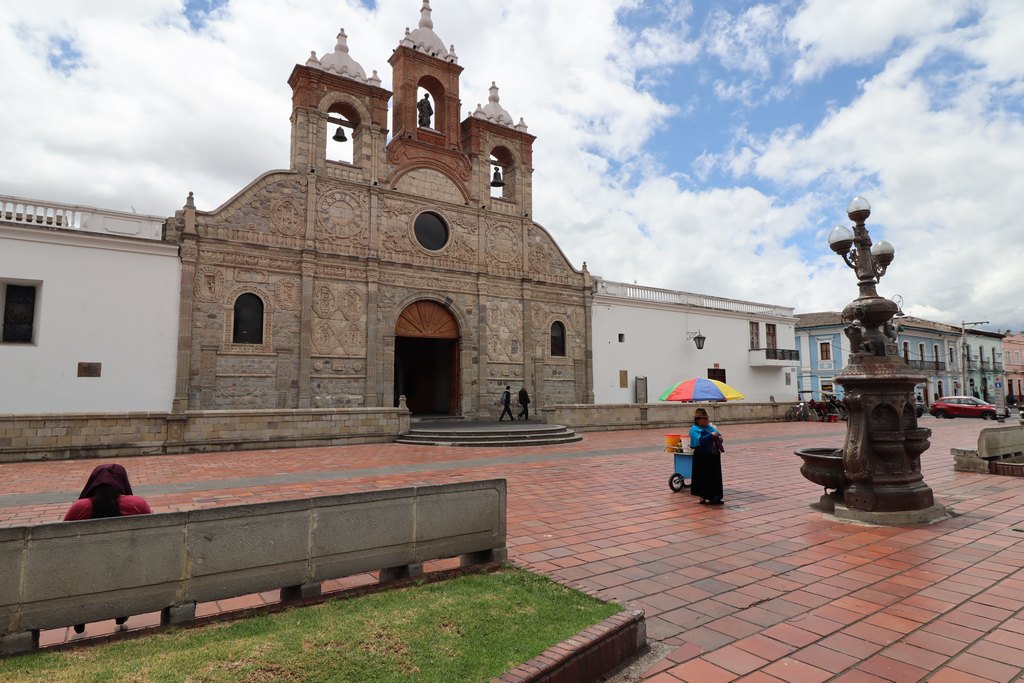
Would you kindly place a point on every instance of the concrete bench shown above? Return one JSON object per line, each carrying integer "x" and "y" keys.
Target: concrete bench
{"x": 995, "y": 445}
{"x": 55, "y": 575}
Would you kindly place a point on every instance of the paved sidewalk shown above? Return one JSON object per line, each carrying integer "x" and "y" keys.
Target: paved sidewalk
{"x": 761, "y": 589}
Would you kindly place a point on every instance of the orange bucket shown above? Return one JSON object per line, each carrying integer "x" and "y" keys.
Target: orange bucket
{"x": 672, "y": 441}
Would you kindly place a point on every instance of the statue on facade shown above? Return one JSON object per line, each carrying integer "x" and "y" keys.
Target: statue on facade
{"x": 425, "y": 110}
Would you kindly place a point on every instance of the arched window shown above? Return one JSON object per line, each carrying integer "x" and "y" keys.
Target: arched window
{"x": 502, "y": 174}
{"x": 557, "y": 339}
{"x": 248, "y": 323}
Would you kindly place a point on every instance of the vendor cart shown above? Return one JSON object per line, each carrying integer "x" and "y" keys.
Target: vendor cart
{"x": 682, "y": 461}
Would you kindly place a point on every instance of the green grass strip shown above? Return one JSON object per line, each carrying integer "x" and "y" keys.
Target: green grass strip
{"x": 472, "y": 628}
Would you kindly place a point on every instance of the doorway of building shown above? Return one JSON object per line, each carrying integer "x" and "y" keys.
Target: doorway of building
{"x": 427, "y": 359}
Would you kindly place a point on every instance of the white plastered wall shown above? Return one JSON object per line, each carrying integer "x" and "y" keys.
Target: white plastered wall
{"x": 100, "y": 299}
{"x": 656, "y": 346}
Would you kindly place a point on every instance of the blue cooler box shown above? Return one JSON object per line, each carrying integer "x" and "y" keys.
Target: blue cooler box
{"x": 684, "y": 464}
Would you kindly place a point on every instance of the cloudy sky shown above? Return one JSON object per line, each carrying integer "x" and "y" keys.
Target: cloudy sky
{"x": 703, "y": 145}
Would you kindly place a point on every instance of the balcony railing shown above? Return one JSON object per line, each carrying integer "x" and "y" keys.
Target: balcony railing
{"x": 31, "y": 212}
{"x": 773, "y": 357}
{"x": 929, "y": 365}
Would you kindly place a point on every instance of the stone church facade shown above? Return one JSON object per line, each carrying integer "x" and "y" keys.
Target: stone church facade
{"x": 343, "y": 284}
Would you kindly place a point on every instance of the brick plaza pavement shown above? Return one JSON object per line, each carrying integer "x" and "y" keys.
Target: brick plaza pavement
{"x": 760, "y": 589}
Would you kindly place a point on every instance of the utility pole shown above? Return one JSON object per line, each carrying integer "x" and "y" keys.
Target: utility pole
{"x": 966, "y": 354}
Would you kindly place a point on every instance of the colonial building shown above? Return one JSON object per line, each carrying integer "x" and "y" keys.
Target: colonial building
{"x": 950, "y": 357}
{"x": 89, "y": 305}
{"x": 1013, "y": 364}
{"x": 646, "y": 339}
{"x": 395, "y": 256}
{"x": 346, "y": 283}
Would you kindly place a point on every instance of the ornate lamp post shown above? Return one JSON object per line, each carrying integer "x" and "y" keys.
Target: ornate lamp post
{"x": 881, "y": 457}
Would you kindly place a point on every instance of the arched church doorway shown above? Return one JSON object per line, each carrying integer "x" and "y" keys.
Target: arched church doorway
{"x": 427, "y": 359}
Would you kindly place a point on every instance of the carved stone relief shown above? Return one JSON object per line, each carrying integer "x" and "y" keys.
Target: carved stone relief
{"x": 289, "y": 293}
{"x": 250, "y": 275}
{"x": 339, "y": 328}
{"x": 266, "y": 207}
{"x": 505, "y": 331}
{"x": 544, "y": 256}
{"x": 209, "y": 284}
{"x": 340, "y": 217}
{"x": 460, "y": 250}
{"x": 247, "y": 260}
{"x": 287, "y": 217}
{"x": 324, "y": 302}
{"x": 503, "y": 246}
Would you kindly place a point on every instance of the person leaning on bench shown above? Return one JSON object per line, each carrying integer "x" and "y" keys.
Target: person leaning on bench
{"x": 107, "y": 493}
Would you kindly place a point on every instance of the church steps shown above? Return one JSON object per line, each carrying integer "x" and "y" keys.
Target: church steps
{"x": 488, "y": 435}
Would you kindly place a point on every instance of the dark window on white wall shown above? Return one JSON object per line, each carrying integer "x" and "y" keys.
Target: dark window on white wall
{"x": 248, "y": 324}
{"x": 19, "y": 313}
{"x": 557, "y": 339}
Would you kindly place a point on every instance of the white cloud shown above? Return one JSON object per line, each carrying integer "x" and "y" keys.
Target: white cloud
{"x": 745, "y": 42}
{"x": 163, "y": 109}
{"x": 834, "y": 32}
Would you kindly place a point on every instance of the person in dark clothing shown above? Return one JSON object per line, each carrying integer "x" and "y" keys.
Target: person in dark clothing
{"x": 524, "y": 401}
{"x": 107, "y": 493}
{"x": 707, "y": 447}
{"x": 506, "y": 404}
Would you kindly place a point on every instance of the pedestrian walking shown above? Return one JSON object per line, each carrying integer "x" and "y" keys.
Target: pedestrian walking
{"x": 524, "y": 402}
{"x": 506, "y": 404}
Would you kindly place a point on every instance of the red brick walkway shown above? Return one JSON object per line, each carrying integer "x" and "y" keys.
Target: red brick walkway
{"x": 761, "y": 589}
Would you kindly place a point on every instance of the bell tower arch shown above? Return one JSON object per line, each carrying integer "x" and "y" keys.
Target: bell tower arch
{"x": 427, "y": 137}
{"x": 333, "y": 98}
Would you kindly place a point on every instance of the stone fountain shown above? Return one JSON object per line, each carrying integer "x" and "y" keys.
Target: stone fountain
{"x": 876, "y": 476}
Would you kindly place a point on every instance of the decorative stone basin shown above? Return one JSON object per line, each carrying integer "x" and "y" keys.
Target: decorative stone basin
{"x": 824, "y": 467}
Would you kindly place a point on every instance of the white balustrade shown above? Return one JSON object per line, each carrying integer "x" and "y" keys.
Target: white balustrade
{"x": 668, "y": 296}
{"x": 21, "y": 211}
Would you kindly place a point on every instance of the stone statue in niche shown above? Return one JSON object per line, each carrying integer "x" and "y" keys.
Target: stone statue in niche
{"x": 425, "y": 110}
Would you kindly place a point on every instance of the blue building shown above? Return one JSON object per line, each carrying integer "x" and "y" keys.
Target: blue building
{"x": 932, "y": 348}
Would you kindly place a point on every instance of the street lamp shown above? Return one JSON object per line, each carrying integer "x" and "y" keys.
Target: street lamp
{"x": 698, "y": 339}
{"x": 966, "y": 352}
{"x": 877, "y": 474}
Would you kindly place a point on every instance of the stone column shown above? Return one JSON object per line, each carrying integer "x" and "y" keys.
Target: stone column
{"x": 308, "y": 269}
{"x": 306, "y": 330}
{"x": 484, "y": 392}
{"x": 372, "y": 392}
{"x": 188, "y": 253}
{"x": 527, "y": 298}
{"x": 588, "y": 316}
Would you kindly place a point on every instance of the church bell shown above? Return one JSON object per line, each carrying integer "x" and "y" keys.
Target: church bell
{"x": 339, "y": 136}
{"x": 497, "y": 180}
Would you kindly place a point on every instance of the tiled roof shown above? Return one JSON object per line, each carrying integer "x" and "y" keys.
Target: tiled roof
{"x": 819, "y": 319}
{"x": 833, "y": 318}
